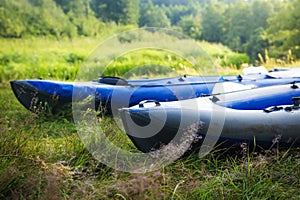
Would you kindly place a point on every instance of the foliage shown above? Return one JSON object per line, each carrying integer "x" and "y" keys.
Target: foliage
{"x": 33, "y": 18}
{"x": 249, "y": 27}
{"x": 284, "y": 30}
{"x": 171, "y": 2}
{"x": 42, "y": 58}
{"x": 10, "y": 24}
{"x": 120, "y": 11}
{"x": 238, "y": 33}
{"x": 81, "y": 17}
{"x": 191, "y": 26}
{"x": 149, "y": 63}
{"x": 235, "y": 59}
{"x": 153, "y": 16}
{"x": 214, "y": 24}
{"x": 60, "y": 59}
{"x": 176, "y": 12}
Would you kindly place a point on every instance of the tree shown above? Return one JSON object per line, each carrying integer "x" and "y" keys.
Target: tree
{"x": 191, "y": 26}
{"x": 11, "y": 22}
{"x": 120, "y": 11}
{"x": 257, "y": 44}
{"x": 33, "y": 17}
{"x": 176, "y": 12}
{"x": 153, "y": 16}
{"x": 171, "y": 2}
{"x": 261, "y": 10}
{"x": 238, "y": 28}
{"x": 284, "y": 30}
{"x": 213, "y": 23}
{"x": 81, "y": 7}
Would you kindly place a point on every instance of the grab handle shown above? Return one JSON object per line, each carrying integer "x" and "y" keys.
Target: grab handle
{"x": 296, "y": 101}
{"x": 142, "y": 103}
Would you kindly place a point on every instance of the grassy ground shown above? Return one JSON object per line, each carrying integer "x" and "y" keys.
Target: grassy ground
{"x": 42, "y": 157}
{"x": 61, "y": 59}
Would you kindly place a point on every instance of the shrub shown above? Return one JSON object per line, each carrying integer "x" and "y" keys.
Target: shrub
{"x": 235, "y": 59}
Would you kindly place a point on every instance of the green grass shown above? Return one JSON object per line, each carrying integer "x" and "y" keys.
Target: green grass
{"x": 42, "y": 58}
{"x": 46, "y": 58}
{"x": 43, "y": 157}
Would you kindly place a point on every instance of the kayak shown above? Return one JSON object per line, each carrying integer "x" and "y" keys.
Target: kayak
{"x": 259, "y": 98}
{"x": 53, "y": 96}
{"x": 272, "y": 114}
{"x": 112, "y": 93}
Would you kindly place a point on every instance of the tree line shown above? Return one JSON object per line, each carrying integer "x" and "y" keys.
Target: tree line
{"x": 246, "y": 26}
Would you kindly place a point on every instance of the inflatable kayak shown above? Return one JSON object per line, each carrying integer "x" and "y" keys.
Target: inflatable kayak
{"x": 153, "y": 124}
{"x": 112, "y": 93}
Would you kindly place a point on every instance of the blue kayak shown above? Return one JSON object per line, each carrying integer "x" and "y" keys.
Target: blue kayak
{"x": 111, "y": 93}
{"x": 270, "y": 112}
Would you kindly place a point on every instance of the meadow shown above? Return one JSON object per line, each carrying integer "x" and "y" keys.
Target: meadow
{"x": 42, "y": 156}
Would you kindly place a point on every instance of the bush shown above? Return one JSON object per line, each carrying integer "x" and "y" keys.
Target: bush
{"x": 235, "y": 59}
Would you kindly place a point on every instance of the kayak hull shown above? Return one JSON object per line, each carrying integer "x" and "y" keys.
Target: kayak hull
{"x": 113, "y": 94}
{"x": 38, "y": 101}
{"x": 152, "y": 125}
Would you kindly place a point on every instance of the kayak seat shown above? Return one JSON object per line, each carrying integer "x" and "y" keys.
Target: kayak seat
{"x": 112, "y": 80}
